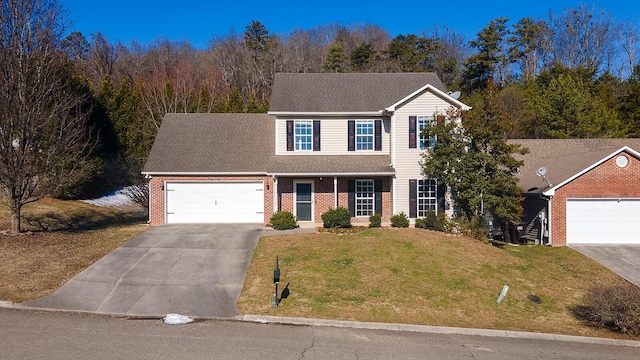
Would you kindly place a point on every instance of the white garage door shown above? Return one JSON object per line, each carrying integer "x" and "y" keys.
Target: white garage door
{"x": 214, "y": 202}
{"x": 603, "y": 221}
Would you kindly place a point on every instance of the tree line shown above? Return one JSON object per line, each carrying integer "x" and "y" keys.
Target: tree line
{"x": 572, "y": 74}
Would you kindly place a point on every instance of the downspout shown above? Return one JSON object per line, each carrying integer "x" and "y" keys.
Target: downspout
{"x": 148, "y": 177}
{"x": 550, "y": 219}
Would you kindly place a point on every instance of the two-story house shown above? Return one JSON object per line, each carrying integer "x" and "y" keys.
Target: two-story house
{"x": 329, "y": 140}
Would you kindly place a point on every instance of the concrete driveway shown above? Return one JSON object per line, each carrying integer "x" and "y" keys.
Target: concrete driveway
{"x": 624, "y": 260}
{"x": 195, "y": 270}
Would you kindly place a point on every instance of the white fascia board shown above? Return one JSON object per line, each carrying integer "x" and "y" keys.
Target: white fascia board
{"x": 552, "y": 191}
{"x": 204, "y": 173}
{"x": 325, "y": 114}
{"x": 429, "y": 87}
{"x": 334, "y": 174}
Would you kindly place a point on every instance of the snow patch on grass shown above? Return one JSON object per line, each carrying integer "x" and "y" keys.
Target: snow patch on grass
{"x": 117, "y": 198}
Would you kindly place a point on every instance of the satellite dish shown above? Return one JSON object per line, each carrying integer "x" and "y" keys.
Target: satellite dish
{"x": 455, "y": 95}
{"x": 15, "y": 143}
{"x": 542, "y": 171}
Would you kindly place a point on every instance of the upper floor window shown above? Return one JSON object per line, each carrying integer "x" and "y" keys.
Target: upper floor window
{"x": 364, "y": 135}
{"x": 303, "y": 135}
{"x": 426, "y": 141}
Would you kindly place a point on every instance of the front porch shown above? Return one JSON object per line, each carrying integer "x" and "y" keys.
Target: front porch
{"x": 310, "y": 197}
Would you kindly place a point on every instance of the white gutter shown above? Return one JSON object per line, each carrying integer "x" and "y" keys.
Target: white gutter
{"x": 335, "y": 174}
{"x": 203, "y": 173}
{"x": 323, "y": 114}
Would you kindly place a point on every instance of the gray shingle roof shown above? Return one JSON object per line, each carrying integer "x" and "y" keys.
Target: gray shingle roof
{"x": 212, "y": 143}
{"x": 330, "y": 164}
{"x": 564, "y": 158}
{"x": 352, "y": 92}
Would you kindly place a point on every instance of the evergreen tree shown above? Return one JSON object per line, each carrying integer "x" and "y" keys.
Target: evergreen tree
{"x": 476, "y": 161}
{"x": 334, "y": 62}
{"x": 630, "y": 103}
{"x": 525, "y": 40}
{"x": 361, "y": 56}
{"x": 236, "y": 102}
{"x": 568, "y": 109}
{"x": 491, "y": 60}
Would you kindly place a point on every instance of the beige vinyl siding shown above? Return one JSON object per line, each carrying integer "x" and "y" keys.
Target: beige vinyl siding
{"x": 333, "y": 137}
{"x": 407, "y": 161}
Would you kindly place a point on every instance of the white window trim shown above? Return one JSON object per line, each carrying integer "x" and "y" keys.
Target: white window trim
{"x": 365, "y": 200}
{"x": 428, "y": 200}
{"x": 426, "y": 120}
{"x": 370, "y": 124}
{"x": 298, "y": 144}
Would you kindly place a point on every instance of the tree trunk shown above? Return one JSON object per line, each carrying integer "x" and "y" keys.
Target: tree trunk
{"x": 16, "y": 207}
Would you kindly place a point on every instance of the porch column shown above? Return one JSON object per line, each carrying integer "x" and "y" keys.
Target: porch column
{"x": 275, "y": 194}
{"x": 335, "y": 192}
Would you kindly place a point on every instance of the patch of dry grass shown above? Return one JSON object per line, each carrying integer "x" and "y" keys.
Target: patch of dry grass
{"x": 66, "y": 237}
{"x": 418, "y": 276}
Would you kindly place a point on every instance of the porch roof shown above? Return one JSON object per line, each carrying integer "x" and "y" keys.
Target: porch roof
{"x": 330, "y": 165}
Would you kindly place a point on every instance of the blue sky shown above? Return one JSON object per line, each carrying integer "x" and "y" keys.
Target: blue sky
{"x": 198, "y": 21}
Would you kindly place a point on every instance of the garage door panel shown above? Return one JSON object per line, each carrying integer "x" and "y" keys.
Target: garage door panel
{"x": 215, "y": 202}
{"x": 603, "y": 221}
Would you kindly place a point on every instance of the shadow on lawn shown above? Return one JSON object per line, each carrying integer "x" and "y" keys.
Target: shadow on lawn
{"x": 84, "y": 220}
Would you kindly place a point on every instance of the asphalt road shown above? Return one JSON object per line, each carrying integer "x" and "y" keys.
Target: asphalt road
{"x": 53, "y": 335}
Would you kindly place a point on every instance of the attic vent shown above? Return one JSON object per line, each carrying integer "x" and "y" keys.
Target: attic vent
{"x": 622, "y": 161}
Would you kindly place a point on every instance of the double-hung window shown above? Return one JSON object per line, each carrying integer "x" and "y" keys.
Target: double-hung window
{"x": 427, "y": 196}
{"x": 364, "y": 201}
{"x": 303, "y": 135}
{"x": 364, "y": 134}
{"x": 426, "y": 141}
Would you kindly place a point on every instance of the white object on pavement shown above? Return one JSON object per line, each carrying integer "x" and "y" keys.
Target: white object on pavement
{"x": 177, "y": 319}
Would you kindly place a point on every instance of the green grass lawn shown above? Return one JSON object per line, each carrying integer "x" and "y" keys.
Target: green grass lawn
{"x": 419, "y": 276}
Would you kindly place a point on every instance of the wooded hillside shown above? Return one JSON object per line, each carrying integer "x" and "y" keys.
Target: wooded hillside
{"x": 573, "y": 74}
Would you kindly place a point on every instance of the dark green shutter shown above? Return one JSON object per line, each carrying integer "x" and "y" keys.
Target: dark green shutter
{"x": 377, "y": 188}
{"x": 413, "y": 198}
{"x": 289, "y": 135}
{"x": 351, "y": 189}
{"x": 351, "y": 137}
{"x": 378, "y": 135}
{"x": 316, "y": 135}
{"x": 412, "y": 132}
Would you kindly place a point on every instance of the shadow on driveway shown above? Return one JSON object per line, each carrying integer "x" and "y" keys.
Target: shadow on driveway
{"x": 196, "y": 270}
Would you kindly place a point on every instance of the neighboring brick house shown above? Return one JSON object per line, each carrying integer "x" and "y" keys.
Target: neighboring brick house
{"x": 581, "y": 191}
{"x": 329, "y": 140}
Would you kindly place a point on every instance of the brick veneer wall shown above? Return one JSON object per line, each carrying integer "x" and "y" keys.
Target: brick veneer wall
{"x": 607, "y": 180}
{"x": 157, "y": 199}
{"x": 324, "y": 200}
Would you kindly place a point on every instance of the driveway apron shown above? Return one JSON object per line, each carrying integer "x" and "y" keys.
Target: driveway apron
{"x": 196, "y": 270}
{"x": 624, "y": 260}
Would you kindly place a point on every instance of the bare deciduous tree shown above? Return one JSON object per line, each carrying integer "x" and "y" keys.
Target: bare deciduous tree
{"x": 44, "y": 138}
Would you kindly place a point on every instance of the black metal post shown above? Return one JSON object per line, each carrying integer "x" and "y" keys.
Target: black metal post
{"x": 276, "y": 280}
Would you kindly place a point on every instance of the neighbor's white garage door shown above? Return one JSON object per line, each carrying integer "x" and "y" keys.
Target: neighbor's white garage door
{"x": 214, "y": 202}
{"x": 603, "y": 221}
